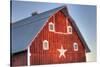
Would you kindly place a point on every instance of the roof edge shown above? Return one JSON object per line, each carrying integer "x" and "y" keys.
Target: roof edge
{"x": 80, "y": 35}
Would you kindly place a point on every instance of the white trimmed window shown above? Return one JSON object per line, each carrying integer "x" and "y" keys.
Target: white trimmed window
{"x": 45, "y": 45}
{"x": 75, "y": 46}
{"x": 69, "y": 29}
{"x": 51, "y": 27}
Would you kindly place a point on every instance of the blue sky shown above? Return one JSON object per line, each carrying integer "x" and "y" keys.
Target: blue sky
{"x": 84, "y": 16}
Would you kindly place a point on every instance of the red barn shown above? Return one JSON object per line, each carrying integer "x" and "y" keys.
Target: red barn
{"x": 51, "y": 37}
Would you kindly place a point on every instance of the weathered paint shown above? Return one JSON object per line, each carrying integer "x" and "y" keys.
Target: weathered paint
{"x": 51, "y": 56}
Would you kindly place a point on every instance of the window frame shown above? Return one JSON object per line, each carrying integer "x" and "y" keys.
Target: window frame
{"x": 45, "y": 48}
{"x": 69, "y": 29}
{"x": 74, "y": 46}
{"x": 50, "y": 27}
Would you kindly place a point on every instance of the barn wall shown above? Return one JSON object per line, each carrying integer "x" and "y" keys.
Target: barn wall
{"x": 19, "y": 59}
{"x": 40, "y": 56}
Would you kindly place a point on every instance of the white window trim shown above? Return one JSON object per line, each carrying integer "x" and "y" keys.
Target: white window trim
{"x": 74, "y": 44}
{"x": 45, "y": 48}
{"x": 53, "y": 27}
{"x": 60, "y": 33}
{"x": 68, "y": 29}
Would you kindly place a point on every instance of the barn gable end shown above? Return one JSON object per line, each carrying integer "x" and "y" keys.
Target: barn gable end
{"x": 57, "y": 39}
{"x": 25, "y": 31}
{"x": 32, "y": 32}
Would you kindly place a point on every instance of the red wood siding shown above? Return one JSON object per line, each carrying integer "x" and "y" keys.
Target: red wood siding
{"x": 60, "y": 23}
{"x": 40, "y": 56}
{"x": 19, "y": 59}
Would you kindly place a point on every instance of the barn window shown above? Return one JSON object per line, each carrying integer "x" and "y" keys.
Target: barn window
{"x": 51, "y": 27}
{"x": 75, "y": 45}
{"x": 45, "y": 45}
{"x": 69, "y": 29}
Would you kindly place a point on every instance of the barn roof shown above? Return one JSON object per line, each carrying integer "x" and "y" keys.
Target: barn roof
{"x": 24, "y": 31}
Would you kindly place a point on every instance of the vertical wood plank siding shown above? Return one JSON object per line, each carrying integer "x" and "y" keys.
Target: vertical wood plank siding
{"x": 51, "y": 56}
{"x": 19, "y": 59}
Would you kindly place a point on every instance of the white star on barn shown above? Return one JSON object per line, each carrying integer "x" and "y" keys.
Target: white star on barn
{"x": 62, "y": 52}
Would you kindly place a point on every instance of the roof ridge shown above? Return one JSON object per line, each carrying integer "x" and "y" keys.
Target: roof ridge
{"x": 32, "y": 17}
{"x": 38, "y": 14}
